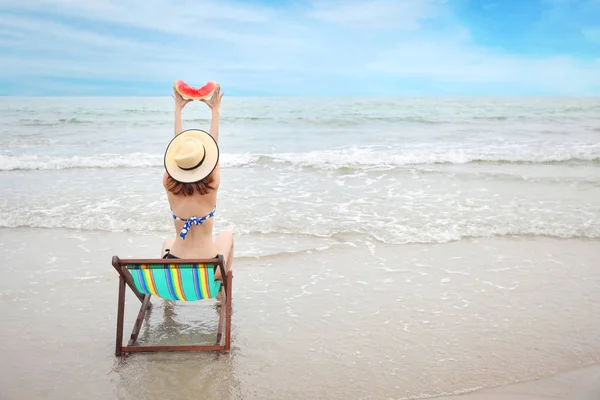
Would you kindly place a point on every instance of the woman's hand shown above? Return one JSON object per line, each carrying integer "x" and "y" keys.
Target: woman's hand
{"x": 180, "y": 102}
{"x": 215, "y": 101}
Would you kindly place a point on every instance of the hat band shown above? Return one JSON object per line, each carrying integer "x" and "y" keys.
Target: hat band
{"x": 197, "y": 165}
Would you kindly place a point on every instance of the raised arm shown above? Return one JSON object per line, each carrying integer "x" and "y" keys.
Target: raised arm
{"x": 180, "y": 102}
{"x": 215, "y": 107}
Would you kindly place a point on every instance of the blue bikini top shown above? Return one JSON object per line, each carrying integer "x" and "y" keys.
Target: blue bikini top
{"x": 193, "y": 221}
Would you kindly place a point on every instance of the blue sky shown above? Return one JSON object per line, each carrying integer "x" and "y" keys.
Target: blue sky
{"x": 301, "y": 47}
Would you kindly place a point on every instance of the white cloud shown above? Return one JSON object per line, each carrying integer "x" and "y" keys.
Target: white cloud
{"x": 37, "y": 34}
{"x": 208, "y": 20}
{"x": 399, "y": 14}
{"x": 140, "y": 13}
{"x": 268, "y": 50}
{"x": 458, "y": 61}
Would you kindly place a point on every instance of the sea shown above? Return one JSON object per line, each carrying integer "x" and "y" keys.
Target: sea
{"x": 385, "y": 248}
{"x": 397, "y": 171}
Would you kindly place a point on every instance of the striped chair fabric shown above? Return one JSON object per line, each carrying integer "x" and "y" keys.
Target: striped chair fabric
{"x": 183, "y": 282}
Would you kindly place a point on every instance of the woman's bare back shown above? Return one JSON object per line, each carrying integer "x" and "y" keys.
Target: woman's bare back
{"x": 194, "y": 239}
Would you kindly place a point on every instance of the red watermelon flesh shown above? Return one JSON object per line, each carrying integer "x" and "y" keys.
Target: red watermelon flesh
{"x": 189, "y": 92}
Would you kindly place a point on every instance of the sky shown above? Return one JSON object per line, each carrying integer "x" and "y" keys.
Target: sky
{"x": 301, "y": 47}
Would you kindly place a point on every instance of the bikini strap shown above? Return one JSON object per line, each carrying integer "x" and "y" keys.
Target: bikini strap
{"x": 194, "y": 221}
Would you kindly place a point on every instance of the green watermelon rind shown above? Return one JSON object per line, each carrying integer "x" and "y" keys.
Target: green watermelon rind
{"x": 191, "y": 93}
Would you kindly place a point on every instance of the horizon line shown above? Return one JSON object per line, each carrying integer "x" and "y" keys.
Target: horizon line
{"x": 321, "y": 96}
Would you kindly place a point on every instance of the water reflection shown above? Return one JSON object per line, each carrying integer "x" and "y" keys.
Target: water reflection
{"x": 180, "y": 375}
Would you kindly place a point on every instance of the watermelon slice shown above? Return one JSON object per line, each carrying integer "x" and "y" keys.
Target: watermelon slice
{"x": 188, "y": 92}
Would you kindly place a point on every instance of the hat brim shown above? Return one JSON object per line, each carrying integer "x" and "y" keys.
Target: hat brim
{"x": 210, "y": 162}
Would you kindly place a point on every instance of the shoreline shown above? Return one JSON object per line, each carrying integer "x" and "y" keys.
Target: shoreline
{"x": 578, "y": 384}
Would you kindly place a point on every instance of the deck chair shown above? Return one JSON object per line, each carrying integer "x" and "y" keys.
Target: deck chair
{"x": 172, "y": 279}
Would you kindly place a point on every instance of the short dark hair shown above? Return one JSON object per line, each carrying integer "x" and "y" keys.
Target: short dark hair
{"x": 201, "y": 187}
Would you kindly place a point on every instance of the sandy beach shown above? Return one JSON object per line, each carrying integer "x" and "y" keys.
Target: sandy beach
{"x": 429, "y": 321}
{"x": 581, "y": 384}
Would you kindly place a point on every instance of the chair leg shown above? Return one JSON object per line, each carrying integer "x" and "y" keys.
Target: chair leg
{"x": 228, "y": 311}
{"x": 120, "y": 316}
{"x": 139, "y": 320}
{"x": 221, "y": 322}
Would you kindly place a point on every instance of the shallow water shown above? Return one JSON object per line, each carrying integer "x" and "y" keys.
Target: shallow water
{"x": 367, "y": 322}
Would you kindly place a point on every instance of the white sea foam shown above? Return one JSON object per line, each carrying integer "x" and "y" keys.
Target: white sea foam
{"x": 104, "y": 161}
{"x": 418, "y": 232}
{"x": 440, "y": 153}
{"x": 350, "y": 157}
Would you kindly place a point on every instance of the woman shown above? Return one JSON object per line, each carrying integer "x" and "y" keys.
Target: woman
{"x": 192, "y": 180}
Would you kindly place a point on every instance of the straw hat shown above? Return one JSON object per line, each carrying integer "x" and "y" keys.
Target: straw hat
{"x": 191, "y": 156}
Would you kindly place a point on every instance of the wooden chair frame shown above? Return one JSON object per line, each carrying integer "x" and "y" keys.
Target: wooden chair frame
{"x": 125, "y": 278}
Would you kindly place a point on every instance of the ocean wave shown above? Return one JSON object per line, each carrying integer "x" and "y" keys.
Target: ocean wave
{"x": 34, "y": 162}
{"x": 350, "y": 120}
{"x": 418, "y": 235}
{"x": 158, "y": 116}
{"x": 54, "y": 122}
{"x": 105, "y": 161}
{"x": 281, "y": 254}
{"x": 335, "y": 159}
{"x": 28, "y": 143}
{"x": 428, "y": 236}
{"x": 364, "y": 158}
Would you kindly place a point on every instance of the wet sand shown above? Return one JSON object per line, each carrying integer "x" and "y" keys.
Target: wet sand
{"x": 356, "y": 321}
{"x": 582, "y": 384}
